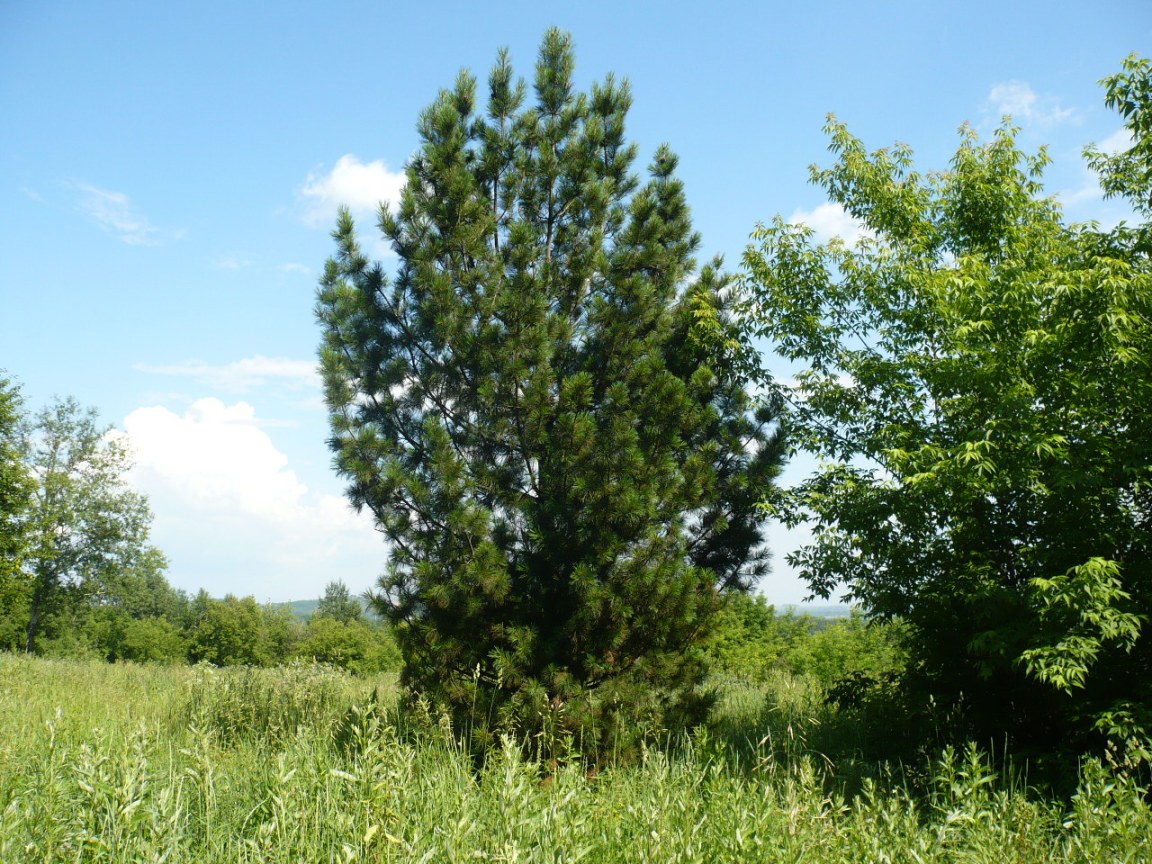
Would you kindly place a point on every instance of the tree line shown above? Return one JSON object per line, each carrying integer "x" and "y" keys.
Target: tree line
{"x": 126, "y": 611}
{"x": 79, "y": 577}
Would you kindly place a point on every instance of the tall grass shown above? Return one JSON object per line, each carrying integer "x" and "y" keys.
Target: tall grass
{"x": 133, "y": 764}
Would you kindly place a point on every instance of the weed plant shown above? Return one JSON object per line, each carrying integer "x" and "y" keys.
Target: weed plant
{"x": 131, "y": 764}
{"x": 264, "y": 706}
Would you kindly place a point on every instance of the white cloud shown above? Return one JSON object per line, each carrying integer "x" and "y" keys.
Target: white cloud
{"x": 293, "y": 267}
{"x": 243, "y": 375}
{"x": 233, "y": 516}
{"x": 1087, "y": 193}
{"x": 213, "y": 452}
{"x": 1086, "y": 203}
{"x": 1118, "y": 142}
{"x": 360, "y": 186}
{"x": 1022, "y": 102}
{"x": 233, "y": 262}
{"x": 830, "y": 220}
{"x": 116, "y": 214}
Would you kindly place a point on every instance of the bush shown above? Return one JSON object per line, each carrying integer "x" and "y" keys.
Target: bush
{"x": 851, "y": 647}
{"x": 353, "y": 645}
{"x": 749, "y": 640}
{"x": 117, "y": 636}
{"x": 239, "y": 632}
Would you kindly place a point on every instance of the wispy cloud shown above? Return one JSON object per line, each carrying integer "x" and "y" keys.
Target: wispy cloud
{"x": 243, "y": 375}
{"x": 360, "y": 186}
{"x": 1118, "y": 142}
{"x": 233, "y": 262}
{"x": 830, "y": 220}
{"x": 1018, "y": 99}
{"x": 116, "y": 214}
{"x": 1085, "y": 200}
{"x": 1088, "y": 192}
{"x": 293, "y": 267}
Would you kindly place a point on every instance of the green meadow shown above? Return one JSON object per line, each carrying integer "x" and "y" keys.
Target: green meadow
{"x": 131, "y": 763}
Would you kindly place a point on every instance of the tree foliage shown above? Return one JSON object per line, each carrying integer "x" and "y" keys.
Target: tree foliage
{"x": 86, "y": 529}
{"x": 749, "y": 640}
{"x": 338, "y": 603}
{"x": 355, "y": 645}
{"x": 233, "y": 631}
{"x": 976, "y": 379}
{"x": 565, "y": 466}
{"x": 16, "y": 486}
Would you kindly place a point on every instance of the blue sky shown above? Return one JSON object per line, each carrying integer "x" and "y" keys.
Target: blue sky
{"x": 169, "y": 174}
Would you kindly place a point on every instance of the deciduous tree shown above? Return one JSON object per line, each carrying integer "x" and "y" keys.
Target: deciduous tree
{"x": 15, "y": 497}
{"x": 977, "y": 383}
{"x": 87, "y": 529}
{"x": 236, "y": 631}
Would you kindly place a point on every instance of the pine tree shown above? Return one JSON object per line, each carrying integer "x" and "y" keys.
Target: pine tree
{"x": 566, "y": 467}
{"x": 339, "y": 604}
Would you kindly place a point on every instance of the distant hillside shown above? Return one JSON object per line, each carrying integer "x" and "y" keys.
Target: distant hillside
{"x": 833, "y": 610}
{"x": 302, "y": 610}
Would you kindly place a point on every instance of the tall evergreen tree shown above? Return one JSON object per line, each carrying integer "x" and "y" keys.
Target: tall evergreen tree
{"x": 566, "y": 467}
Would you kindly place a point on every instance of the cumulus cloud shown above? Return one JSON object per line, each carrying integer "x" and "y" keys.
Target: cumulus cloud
{"x": 242, "y": 376}
{"x": 360, "y": 186}
{"x": 1025, "y": 105}
{"x": 829, "y": 220}
{"x": 116, "y": 214}
{"x": 232, "y": 514}
{"x": 213, "y": 452}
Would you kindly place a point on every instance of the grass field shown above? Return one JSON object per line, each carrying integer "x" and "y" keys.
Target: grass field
{"x": 147, "y": 764}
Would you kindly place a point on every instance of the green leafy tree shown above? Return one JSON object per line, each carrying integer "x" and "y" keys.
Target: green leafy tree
{"x": 87, "y": 529}
{"x": 339, "y": 604}
{"x": 977, "y": 382}
{"x": 282, "y": 632}
{"x": 114, "y": 635}
{"x": 355, "y": 645}
{"x": 565, "y": 466}
{"x": 135, "y": 614}
{"x": 229, "y": 632}
{"x": 16, "y": 486}
{"x": 749, "y": 640}
{"x": 88, "y": 614}
{"x": 238, "y": 631}
{"x": 847, "y": 650}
